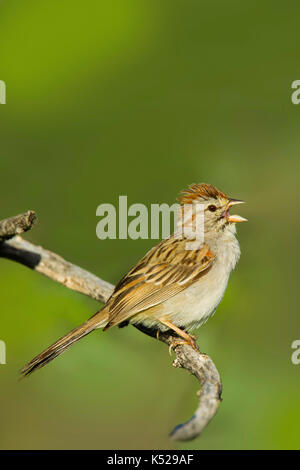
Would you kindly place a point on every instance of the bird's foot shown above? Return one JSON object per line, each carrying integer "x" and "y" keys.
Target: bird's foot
{"x": 190, "y": 340}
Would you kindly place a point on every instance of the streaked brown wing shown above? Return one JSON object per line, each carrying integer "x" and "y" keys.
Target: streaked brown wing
{"x": 165, "y": 270}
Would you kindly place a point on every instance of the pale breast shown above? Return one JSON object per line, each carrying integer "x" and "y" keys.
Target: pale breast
{"x": 192, "y": 307}
{"x": 198, "y": 302}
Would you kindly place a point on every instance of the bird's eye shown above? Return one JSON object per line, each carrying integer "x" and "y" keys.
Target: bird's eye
{"x": 212, "y": 208}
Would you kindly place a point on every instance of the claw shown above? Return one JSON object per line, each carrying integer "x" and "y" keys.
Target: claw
{"x": 194, "y": 345}
{"x": 180, "y": 342}
{"x": 185, "y": 338}
{"x": 176, "y": 343}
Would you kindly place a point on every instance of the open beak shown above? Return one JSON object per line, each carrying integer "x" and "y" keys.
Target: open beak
{"x": 234, "y": 218}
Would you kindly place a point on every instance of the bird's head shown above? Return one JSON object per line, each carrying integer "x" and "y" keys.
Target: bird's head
{"x": 215, "y": 206}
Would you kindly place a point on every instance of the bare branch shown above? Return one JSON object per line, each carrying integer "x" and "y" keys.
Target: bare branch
{"x": 55, "y": 267}
{"x": 80, "y": 280}
{"x": 203, "y": 368}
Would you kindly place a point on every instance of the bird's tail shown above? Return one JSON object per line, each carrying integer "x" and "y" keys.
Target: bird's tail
{"x": 96, "y": 321}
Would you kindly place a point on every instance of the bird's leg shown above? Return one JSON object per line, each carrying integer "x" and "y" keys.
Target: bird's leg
{"x": 186, "y": 338}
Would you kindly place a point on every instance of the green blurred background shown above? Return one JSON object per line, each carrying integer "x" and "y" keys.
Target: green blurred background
{"x": 143, "y": 97}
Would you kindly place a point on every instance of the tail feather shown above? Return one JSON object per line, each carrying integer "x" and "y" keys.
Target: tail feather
{"x": 56, "y": 349}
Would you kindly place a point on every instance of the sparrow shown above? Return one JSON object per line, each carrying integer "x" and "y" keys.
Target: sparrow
{"x": 171, "y": 288}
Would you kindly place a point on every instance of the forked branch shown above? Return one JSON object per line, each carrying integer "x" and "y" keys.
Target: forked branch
{"x": 15, "y": 248}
